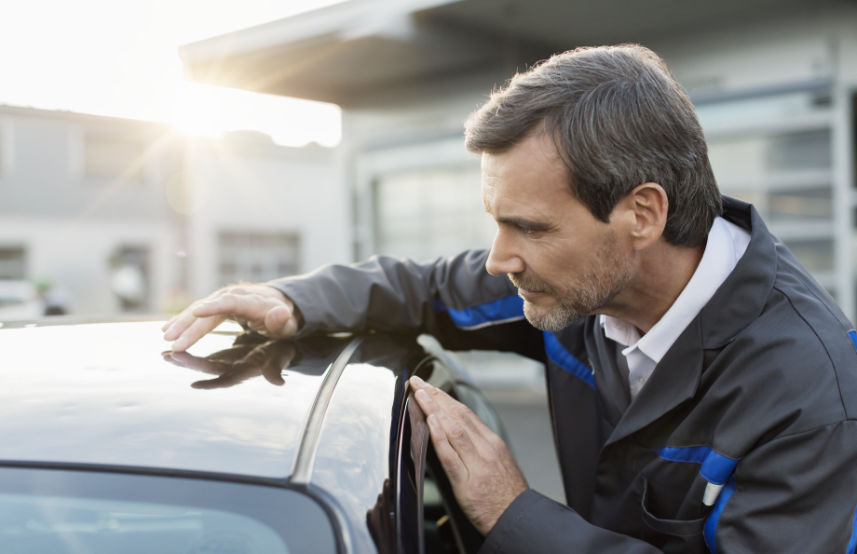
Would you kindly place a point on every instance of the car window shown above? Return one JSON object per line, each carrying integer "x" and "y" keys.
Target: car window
{"x": 74, "y": 512}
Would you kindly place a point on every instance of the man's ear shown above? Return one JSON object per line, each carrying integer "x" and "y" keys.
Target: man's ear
{"x": 647, "y": 205}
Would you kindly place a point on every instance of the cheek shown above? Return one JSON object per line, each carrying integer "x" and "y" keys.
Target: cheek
{"x": 555, "y": 264}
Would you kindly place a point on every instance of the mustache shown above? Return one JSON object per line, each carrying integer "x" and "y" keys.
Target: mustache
{"x": 527, "y": 282}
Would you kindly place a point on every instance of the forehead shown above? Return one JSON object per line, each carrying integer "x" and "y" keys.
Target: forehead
{"x": 530, "y": 170}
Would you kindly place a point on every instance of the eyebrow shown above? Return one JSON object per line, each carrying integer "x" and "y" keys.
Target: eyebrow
{"x": 522, "y": 223}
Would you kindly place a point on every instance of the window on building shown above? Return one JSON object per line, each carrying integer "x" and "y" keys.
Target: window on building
{"x": 257, "y": 256}
{"x": 114, "y": 157}
{"x": 776, "y": 151}
{"x": 13, "y": 262}
{"x": 427, "y": 213}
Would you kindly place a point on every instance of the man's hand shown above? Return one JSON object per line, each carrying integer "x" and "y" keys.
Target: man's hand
{"x": 260, "y": 307}
{"x": 482, "y": 471}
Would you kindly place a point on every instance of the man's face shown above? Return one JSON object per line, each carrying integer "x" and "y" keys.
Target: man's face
{"x": 566, "y": 263}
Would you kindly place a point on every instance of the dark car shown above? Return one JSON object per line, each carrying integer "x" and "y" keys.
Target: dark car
{"x": 243, "y": 445}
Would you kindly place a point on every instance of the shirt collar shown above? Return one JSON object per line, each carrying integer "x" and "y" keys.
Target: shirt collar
{"x": 725, "y": 246}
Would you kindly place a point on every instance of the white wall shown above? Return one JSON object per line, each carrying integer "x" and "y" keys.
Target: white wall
{"x": 274, "y": 189}
{"x": 73, "y": 256}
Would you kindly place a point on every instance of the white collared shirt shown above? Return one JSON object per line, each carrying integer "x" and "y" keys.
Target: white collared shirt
{"x": 726, "y": 244}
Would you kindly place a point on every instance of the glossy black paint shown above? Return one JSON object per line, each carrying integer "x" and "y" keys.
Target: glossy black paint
{"x": 235, "y": 408}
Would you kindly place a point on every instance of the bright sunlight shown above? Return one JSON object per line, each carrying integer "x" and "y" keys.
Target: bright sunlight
{"x": 209, "y": 111}
{"x": 121, "y": 59}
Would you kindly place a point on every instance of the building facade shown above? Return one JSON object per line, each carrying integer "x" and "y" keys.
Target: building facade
{"x": 105, "y": 216}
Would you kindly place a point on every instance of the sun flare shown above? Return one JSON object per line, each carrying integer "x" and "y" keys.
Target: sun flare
{"x": 125, "y": 63}
{"x": 210, "y": 111}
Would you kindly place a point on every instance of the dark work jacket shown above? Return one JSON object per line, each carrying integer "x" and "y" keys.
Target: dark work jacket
{"x": 756, "y": 401}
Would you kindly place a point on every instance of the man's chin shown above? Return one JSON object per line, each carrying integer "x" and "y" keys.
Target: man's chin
{"x": 551, "y": 320}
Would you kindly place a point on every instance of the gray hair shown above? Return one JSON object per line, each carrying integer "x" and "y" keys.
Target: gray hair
{"x": 619, "y": 119}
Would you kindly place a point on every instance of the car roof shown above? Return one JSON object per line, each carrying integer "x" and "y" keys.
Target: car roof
{"x": 107, "y": 395}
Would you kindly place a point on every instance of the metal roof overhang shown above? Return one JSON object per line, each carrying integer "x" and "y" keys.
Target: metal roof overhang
{"x": 344, "y": 52}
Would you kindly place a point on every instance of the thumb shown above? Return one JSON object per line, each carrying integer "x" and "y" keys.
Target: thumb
{"x": 280, "y": 322}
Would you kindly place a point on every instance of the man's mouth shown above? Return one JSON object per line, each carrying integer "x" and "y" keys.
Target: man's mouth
{"x": 526, "y": 288}
{"x": 528, "y": 294}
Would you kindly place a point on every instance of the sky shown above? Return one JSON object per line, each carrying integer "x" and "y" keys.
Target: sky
{"x": 120, "y": 58}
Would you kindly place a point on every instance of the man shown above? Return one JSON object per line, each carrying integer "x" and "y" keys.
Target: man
{"x": 702, "y": 387}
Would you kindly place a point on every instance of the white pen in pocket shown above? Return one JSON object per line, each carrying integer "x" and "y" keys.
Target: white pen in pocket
{"x": 712, "y": 491}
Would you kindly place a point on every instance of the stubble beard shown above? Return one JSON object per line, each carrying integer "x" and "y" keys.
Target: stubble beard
{"x": 597, "y": 286}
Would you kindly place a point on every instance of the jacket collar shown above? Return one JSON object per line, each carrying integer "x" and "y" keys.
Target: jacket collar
{"x": 741, "y": 298}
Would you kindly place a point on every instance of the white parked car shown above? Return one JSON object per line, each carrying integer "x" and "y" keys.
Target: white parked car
{"x": 19, "y": 301}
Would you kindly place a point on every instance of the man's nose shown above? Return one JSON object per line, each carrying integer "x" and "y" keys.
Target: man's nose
{"x": 503, "y": 259}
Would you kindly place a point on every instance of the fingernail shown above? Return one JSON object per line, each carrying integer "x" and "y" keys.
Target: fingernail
{"x": 421, "y": 395}
{"x": 417, "y": 381}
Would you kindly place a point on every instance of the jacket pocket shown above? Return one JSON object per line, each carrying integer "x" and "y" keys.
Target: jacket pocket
{"x": 653, "y": 516}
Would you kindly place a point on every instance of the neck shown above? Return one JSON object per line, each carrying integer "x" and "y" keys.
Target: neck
{"x": 662, "y": 273}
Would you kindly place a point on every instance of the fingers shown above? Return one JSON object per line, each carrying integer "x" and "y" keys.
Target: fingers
{"x": 186, "y": 336}
{"x": 439, "y": 402}
{"x": 458, "y": 435}
{"x": 234, "y": 302}
{"x": 483, "y": 473}
{"x": 176, "y": 326}
{"x": 261, "y": 307}
{"x": 280, "y": 321}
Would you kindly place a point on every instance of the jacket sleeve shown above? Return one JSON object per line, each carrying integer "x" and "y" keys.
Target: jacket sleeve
{"x": 454, "y": 299}
{"x": 535, "y": 524}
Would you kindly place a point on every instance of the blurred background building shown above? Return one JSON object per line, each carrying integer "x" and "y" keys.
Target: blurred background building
{"x": 105, "y": 215}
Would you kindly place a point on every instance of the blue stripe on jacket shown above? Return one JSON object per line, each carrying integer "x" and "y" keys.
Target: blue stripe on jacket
{"x": 714, "y": 467}
{"x": 852, "y": 544}
{"x": 566, "y": 360}
{"x": 511, "y": 308}
{"x": 710, "y": 529}
{"x": 504, "y": 309}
